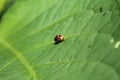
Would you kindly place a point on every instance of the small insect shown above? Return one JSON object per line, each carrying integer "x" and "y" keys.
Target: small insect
{"x": 58, "y": 39}
{"x": 101, "y": 9}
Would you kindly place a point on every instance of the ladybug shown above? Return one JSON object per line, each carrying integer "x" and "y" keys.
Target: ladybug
{"x": 58, "y": 39}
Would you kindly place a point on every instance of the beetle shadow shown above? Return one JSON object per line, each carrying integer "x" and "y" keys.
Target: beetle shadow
{"x": 57, "y": 42}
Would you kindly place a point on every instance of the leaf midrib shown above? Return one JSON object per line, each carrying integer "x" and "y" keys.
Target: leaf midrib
{"x": 20, "y": 57}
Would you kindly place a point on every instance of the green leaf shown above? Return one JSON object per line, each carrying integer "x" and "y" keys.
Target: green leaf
{"x": 2, "y": 3}
{"x": 90, "y": 50}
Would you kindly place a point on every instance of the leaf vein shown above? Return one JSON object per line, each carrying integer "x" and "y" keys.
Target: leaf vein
{"x": 20, "y": 57}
